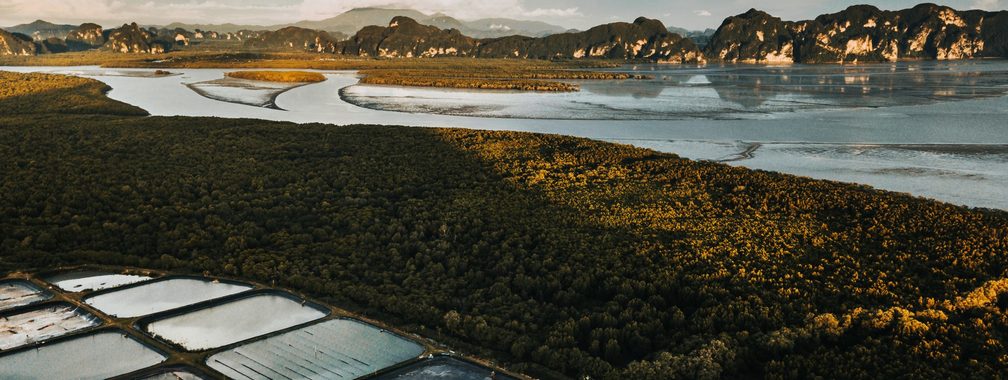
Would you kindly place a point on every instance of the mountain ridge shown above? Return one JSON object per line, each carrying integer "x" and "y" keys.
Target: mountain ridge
{"x": 860, "y": 33}
{"x": 355, "y": 19}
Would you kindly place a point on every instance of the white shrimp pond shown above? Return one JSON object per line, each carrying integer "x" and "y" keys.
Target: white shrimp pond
{"x": 932, "y": 129}
{"x": 90, "y": 324}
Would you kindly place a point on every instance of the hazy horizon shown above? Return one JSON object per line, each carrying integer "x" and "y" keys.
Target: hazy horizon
{"x": 690, "y": 14}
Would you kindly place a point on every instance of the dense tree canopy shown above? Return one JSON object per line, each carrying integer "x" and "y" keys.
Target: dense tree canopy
{"x": 558, "y": 256}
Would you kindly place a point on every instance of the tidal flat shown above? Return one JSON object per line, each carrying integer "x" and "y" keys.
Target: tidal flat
{"x": 810, "y": 120}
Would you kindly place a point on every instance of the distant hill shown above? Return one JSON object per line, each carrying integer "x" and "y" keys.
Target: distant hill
{"x": 41, "y": 30}
{"x": 356, "y": 19}
{"x": 701, "y": 38}
{"x": 352, "y": 21}
{"x": 644, "y": 39}
{"x": 220, "y": 28}
{"x": 500, "y": 27}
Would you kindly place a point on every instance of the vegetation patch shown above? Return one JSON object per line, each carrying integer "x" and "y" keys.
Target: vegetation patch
{"x": 278, "y": 76}
{"x": 450, "y": 72}
{"x": 22, "y": 94}
{"x": 504, "y": 78}
{"x": 472, "y": 83}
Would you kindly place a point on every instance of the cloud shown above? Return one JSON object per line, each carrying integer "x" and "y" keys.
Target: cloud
{"x": 990, "y": 5}
{"x": 553, "y": 12}
{"x": 702, "y": 13}
{"x": 262, "y": 12}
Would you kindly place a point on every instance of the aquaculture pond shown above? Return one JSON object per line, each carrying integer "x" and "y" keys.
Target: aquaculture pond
{"x": 234, "y": 321}
{"x": 340, "y": 348}
{"x": 46, "y": 322}
{"x": 90, "y": 280}
{"x": 240, "y": 330}
{"x": 443, "y": 367}
{"x": 95, "y": 356}
{"x": 14, "y": 293}
{"x": 158, "y": 296}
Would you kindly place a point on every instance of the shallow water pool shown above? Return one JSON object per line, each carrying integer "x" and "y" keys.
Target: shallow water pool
{"x": 234, "y": 321}
{"x": 339, "y": 348}
{"x": 162, "y": 295}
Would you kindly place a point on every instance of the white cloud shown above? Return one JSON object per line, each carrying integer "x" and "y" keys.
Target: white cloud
{"x": 554, "y": 12}
{"x": 702, "y": 13}
{"x": 262, "y": 12}
{"x": 990, "y": 5}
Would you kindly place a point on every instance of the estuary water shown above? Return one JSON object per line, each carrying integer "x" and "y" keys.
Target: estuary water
{"x": 931, "y": 129}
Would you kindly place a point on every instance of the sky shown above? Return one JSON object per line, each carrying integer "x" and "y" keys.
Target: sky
{"x": 690, "y": 14}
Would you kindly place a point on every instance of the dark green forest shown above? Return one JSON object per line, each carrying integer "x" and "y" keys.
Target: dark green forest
{"x": 557, "y": 256}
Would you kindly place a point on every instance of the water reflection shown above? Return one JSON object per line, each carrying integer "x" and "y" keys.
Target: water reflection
{"x": 882, "y": 85}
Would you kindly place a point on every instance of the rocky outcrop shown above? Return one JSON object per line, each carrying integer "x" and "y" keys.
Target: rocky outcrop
{"x": 404, "y": 37}
{"x": 16, "y": 44}
{"x": 644, "y": 39}
{"x": 131, "y": 38}
{"x": 754, "y": 36}
{"x": 86, "y": 36}
{"x": 52, "y": 45}
{"x": 294, "y": 38}
{"x": 862, "y": 33}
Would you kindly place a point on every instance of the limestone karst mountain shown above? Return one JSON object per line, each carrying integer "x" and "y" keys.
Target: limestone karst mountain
{"x": 356, "y": 19}
{"x": 295, "y": 38}
{"x": 862, "y": 33}
{"x": 131, "y": 38}
{"x": 86, "y": 36}
{"x": 405, "y": 37}
{"x": 644, "y": 39}
{"x": 16, "y": 44}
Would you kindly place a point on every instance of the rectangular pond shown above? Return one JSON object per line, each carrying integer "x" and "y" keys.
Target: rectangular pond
{"x": 341, "y": 348}
{"x": 46, "y": 322}
{"x": 443, "y": 367}
{"x": 84, "y": 281}
{"x": 14, "y": 293}
{"x": 158, "y": 296}
{"x": 234, "y": 321}
{"x": 96, "y": 356}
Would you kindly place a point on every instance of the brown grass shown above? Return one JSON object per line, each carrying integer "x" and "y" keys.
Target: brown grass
{"x": 451, "y": 72}
{"x": 473, "y": 83}
{"x": 278, "y": 76}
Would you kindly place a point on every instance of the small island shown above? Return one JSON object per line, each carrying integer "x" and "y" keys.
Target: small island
{"x": 278, "y": 76}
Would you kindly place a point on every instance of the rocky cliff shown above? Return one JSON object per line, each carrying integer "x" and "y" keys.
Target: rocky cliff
{"x": 86, "y": 36}
{"x": 131, "y": 38}
{"x": 404, "y": 37}
{"x": 16, "y": 44}
{"x": 294, "y": 38}
{"x": 862, "y": 33}
{"x": 644, "y": 39}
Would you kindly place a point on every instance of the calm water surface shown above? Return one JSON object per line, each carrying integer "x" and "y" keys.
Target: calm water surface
{"x": 932, "y": 129}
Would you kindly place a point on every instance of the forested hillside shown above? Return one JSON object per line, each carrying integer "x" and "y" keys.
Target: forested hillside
{"x": 558, "y": 256}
